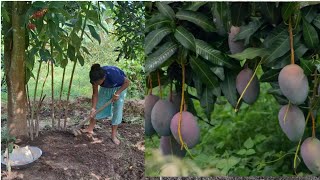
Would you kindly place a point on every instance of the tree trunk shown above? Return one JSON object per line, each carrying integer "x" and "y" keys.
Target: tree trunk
{"x": 17, "y": 101}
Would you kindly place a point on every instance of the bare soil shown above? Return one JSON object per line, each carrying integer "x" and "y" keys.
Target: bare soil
{"x": 86, "y": 157}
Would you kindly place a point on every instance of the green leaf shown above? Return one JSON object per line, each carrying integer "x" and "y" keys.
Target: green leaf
{"x": 207, "y": 101}
{"x": 248, "y": 143}
{"x": 157, "y": 22}
{"x": 197, "y": 18}
{"x": 157, "y": 58}
{"x": 250, "y": 53}
{"x": 80, "y": 59}
{"x": 270, "y": 76}
{"x": 277, "y": 32}
{"x": 259, "y": 138}
{"x": 154, "y": 38}
{"x": 212, "y": 55}
{"x": 93, "y": 16}
{"x": 219, "y": 71}
{"x": 308, "y": 66}
{"x": 248, "y": 30}
{"x": 71, "y": 52}
{"x": 4, "y": 14}
{"x": 85, "y": 50}
{"x": 221, "y": 13}
{"x": 316, "y": 21}
{"x": 280, "y": 46}
{"x": 310, "y": 35}
{"x": 94, "y": 33}
{"x": 201, "y": 69}
{"x": 242, "y": 152}
{"x": 288, "y": 9}
{"x": 185, "y": 38}
{"x": 194, "y": 6}
{"x": 75, "y": 40}
{"x": 239, "y": 12}
{"x": 309, "y": 13}
{"x": 228, "y": 87}
{"x": 44, "y": 54}
{"x": 165, "y": 10}
{"x": 250, "y": 152}
{"x": 271, "y": 12}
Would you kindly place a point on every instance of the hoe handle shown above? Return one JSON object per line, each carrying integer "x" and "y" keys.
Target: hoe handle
{"x": 100, "y": 109}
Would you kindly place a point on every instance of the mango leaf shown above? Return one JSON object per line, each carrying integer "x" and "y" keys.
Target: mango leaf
{"x": 212, "y": 55}
{"x": 157, "y": 58}
{"x": 248, "y": 143}
{"x": 93, "y": 15}
{"x": 166, "y": 10}
{"x": 201, "y": 69}
{"x": 271, "y": 12}
{"x": 197, "y": 18}
{"x": 154, "y": 38}
{"x": 85, "y": 50}
{"x": 71, "y": 52}
{"x": 219, "y": 71}
{"x": 280, "y": 46}
{"x": 239, "y": 12}
{"x": 288, "y": 8}
{"x": 44, "y": 54}
{"x": 316, "y": 21}
{"x": 80, "y": 59}
{"x": 194, "y": 6}
{"x": 185, "y": 38}
{"x": 308, "y": 66}
{"x": 310, "y": 35}
{"x": 250, "y": 53}
{"x": 277, "y": 32}
{"x": 221, "y": 13}
{"x": 207, "y": 101}
{"x": 248, "y": 30}
{"x": 157, "y": 22}
{"x": 198, "y": 85}
{"x": 228, "y": 88}
{"x": 75, "y": 40}
{"x": 270, "y": 76}
{"x": 299, "y": 50}
{"x": 94, "y": 33}
{"x": 309, "y": 13}
{"x": 242, "y": 152}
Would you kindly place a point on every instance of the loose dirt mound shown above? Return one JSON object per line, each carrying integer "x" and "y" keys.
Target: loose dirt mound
{"x": 84, "y": 157}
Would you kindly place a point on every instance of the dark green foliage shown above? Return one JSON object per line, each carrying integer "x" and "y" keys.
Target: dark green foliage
{"x": 310, "y": 152}
{"x": 253, "y": 90}
{"x": 149, "y": 103}
{"x": 294, "y": 84}
{"x": 190, "y": 131}
{"x": 235, "y": 46}
{"x": 161, "y": 116}
{"x": 292, "y": 123}
{"x": 169, "y": 146}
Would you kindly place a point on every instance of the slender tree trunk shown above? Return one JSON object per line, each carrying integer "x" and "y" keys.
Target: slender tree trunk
{"x": 17, "y": 104}
{"x": 67, "y": 104}
{"x": 52, "y": 94}
{"x": 61, "y": 89}
{"x": 32, "y": 128}
{"x": 40, "y": 101}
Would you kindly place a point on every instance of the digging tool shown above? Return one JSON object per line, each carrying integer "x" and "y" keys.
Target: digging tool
{"x": 76, "y": 131}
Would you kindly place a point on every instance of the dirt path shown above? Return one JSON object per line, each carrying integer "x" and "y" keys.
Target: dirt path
{"x": 68, "y": 157}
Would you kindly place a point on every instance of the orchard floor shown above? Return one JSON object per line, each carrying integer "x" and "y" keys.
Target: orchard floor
{"x": 87, "y": 157}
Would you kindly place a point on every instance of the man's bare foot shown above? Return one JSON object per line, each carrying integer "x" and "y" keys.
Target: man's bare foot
{"x": 115, "y": 140}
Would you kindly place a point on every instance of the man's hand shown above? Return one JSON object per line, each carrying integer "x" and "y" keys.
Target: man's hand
{"x": 93, "y": 113}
